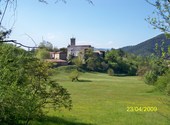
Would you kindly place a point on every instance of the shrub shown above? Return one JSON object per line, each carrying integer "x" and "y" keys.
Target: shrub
{"x": 150, "y": 77}
{"x": 163, "y": 83}
{"x": 142, "y": 70}
{"x": 132, "y": 70}
{"x": 74, "y": 75}
{"x": 167, "y": 90}
{"x": 26, "y": 87}
{"x": 110, "y": 72}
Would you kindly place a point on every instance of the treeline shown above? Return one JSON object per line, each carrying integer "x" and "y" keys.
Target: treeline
{"x": 115, "y": 61}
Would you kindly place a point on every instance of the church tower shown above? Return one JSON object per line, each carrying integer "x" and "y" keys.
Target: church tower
{"x": 73, "y": 41}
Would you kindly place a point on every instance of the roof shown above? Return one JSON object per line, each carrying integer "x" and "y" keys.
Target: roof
{"x": 80, "y": 46}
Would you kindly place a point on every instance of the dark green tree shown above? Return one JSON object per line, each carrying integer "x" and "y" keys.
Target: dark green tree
{"x": 94, "y": 62}
{"x": 120, "y": 62}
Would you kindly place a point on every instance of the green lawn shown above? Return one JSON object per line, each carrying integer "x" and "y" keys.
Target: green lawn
{"x": 99, "y": 99}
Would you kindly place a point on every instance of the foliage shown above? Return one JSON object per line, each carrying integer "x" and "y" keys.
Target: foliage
{"x": 153, "y": 65}
{"x": 4, "y": 34}
{"x": 25, "y": 87}
{"x": 63, "y": 49}
{"x": 121, "y": 62}
{"x": 42, "y": 54}
{"x": 46, "y": 45}
{"x": 110, "y": 72}
{"x": 163, "y": 83}
{"x": 70, "y": 59}
{"x": 132, "y": 70}
{"x": 142, "y": 70}
{"x": 78, "y": 62}
{"x": 150, "y": 77}
{"x": 161, "y": 15}
{"x": 91, "y": 61}
{"x": 74, "y": 75}
{"x": 157, "y": 66}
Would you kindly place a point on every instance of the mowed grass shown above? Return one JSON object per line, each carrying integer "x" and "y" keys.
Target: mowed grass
{"x": 99, "y": 99}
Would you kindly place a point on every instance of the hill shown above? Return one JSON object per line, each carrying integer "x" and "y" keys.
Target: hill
{"x": 148, "y": 47}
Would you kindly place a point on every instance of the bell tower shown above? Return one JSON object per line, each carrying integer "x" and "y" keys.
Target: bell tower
{"x": 73, "y": 41}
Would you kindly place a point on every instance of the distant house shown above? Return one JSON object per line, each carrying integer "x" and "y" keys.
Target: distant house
{"x": 74, "y": 49}
{"x": 58, "y": 55}
{"x": 58, "y": 58}
{"x": 52, "y": 55}
{"x": 61, "y": 55}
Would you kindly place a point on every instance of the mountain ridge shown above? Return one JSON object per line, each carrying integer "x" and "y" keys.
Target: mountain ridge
{"x": 147, "y": 47}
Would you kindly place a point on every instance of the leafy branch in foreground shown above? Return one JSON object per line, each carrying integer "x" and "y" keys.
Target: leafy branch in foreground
{"x": 161, "y": 16}
{"x": 25, "y": 87}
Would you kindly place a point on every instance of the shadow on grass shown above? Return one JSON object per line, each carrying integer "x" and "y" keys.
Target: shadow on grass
{"x": 81, "y": 80}
{"x": 120, "y": 75}
{"x": 59, "y": 121}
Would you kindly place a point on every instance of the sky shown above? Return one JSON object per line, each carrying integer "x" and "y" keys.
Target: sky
{"x": 106, "y": 24}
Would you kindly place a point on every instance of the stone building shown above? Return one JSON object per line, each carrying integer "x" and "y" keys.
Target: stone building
{"x": 61, "y": 55}
{"x": 74, "y": 49}
{"x": 58, "y": 55}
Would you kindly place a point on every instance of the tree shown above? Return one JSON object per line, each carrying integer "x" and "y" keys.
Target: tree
{"x": 74, "y": 75}
{"x": 78, "y": 62}
{"x": 46, "y": 45}
{"x": 161, "y": 16}
{"x": 93, "y": 61}
{"x": 120, "y": 62}
{"x": 42, "y": 54}
{"x": 63, "y": 49}
{"x": 25, "y": 87}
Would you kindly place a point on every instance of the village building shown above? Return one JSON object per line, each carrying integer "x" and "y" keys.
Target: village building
{"x": 58, "y": 58}
{"x": 58, "y": 55}
{"x": 61, "y": 58}
{"x": 74, "y": 49}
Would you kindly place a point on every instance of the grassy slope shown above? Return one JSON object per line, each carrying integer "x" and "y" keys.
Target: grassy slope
{"x": 100, "y": 99}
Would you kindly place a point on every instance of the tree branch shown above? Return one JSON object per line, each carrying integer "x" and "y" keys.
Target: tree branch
{"x": 3, "y": 14}
{"x": 14, "y": 41}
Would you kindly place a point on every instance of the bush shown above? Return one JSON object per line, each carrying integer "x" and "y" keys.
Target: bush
{"x": 167, "y": 90}
{"x": 132, "y": 70}
{"x": 74, "y": 75}
{"x": 150, "y": 77}
{"x": 26, "y": 87}
{"x": 110, "y": 72}
{"x": 163, "y": 83}
{"x": 142, "y": 70}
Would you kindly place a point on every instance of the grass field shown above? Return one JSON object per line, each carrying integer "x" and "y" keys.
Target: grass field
{"x": 99, "y": 99}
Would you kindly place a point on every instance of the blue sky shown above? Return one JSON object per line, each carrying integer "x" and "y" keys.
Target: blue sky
{"x": 107, "y": 24}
